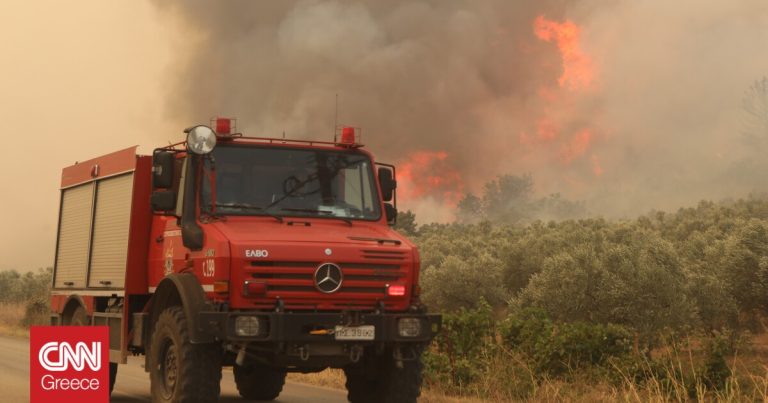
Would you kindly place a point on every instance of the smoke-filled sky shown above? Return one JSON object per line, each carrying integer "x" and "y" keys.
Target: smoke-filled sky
{"x": 77, "y": 79}
{"x": 627, "y": 105}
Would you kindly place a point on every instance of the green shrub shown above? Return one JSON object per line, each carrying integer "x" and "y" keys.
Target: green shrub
{"x": 716, "y": 370}
{"x": 17, "y": 287}
{"x": 460, "y": 283}
{"x": 465, "y": 336}
{"x": 37, "y": 312}
{"x": 556, "y": 348}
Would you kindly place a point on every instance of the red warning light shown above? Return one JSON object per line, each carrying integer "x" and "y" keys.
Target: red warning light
{"x": 223, "y": 126}
{"x": 396, "y": 290}
{"x": 348, "y": 135}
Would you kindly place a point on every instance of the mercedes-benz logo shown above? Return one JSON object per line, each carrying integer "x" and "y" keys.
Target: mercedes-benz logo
{"x": 328, "y": 278}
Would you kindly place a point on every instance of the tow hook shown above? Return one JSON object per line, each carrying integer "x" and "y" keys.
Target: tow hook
{"x": 304, "y": 352}
{"x": 322, "y": 332}
{"x": 355, "y": 353}
{"x": 398, "y": 356}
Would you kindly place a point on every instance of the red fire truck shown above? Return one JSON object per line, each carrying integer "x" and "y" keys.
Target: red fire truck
{"x": 266, "y": 255}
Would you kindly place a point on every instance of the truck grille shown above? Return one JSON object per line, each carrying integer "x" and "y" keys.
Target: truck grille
{"x": 384, "y": 255}
{"x": 365, "y": 281}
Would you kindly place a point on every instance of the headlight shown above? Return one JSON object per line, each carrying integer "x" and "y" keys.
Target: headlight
{"x": 409, "y": 327}
{"x": 246, "y": 326}
{"x": 201, "y": 139}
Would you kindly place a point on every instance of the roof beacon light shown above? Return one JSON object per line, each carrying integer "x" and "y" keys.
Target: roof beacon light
{"x": 224, "y": 126}
{"x": 348, "y": 135}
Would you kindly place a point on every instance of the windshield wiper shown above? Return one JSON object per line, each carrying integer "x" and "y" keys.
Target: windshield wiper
{"x": 325, "y": 213}
{"x": 246, "y": 206}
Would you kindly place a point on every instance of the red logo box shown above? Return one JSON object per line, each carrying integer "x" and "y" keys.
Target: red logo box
{"x": 69, "y": 364}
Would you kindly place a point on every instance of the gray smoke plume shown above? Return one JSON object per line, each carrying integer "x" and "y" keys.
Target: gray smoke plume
{"x": 658, "y": 126}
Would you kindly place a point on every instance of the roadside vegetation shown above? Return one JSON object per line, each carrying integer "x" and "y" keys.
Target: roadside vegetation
{"x": 667, "y": 306}
{"x": 24, "y": 300}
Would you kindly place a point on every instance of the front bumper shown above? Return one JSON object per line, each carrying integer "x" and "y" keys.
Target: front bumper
{"x": 313, "y": 327}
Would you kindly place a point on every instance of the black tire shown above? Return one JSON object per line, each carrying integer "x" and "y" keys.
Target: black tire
{"x": 259, "y": 383}
{"x": 80, "y": 318}
{"x": 360, "y": 386}
{"x": 378, "y": 380}
{"x": 112, "y": 376}
{"x": 182, "y": 372}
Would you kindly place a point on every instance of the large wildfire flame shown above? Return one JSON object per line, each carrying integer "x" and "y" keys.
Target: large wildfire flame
{"x": 577, "y": 78}
{"x": 430, "y": 174}
{"x": 578, "y": 72}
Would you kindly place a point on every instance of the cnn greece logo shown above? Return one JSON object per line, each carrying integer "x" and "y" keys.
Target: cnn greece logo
{"x": 69, "y": 364}
{"x": 77, "y": 357}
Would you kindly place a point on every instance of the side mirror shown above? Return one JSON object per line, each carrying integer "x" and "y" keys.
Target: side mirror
{"x": 391, "y": 212}
{"x": 163, "y": 200}
{"x": 192, "y": 236}
{"x": 162, "y": 169}
{"x": 191, "y": 233}
{"x": 388, "y": 183}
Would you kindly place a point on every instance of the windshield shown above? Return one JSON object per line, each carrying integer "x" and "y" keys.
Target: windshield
{"x": 290, "y": 182}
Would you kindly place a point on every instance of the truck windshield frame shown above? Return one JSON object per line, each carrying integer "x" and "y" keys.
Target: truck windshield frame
{"x": 255, "y": 180}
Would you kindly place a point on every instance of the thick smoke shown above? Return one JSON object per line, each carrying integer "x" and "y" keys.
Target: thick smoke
{"x": 657, "y": 125}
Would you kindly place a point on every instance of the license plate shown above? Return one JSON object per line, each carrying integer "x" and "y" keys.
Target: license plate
{"x": 355, "y": 332}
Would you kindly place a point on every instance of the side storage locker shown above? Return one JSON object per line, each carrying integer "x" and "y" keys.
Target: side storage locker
{"x": 111, "y": 225}
{"x": 74, "y": 236}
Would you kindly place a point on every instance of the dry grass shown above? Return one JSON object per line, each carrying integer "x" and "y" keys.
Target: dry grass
{"x": 11, "y": 316}
{"x": 330, "y": 378}
{"x": 509, "y": 379}
{"x": 741, "y": 387}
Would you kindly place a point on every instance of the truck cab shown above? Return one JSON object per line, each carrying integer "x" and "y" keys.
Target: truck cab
{"x": 270, "y": 256}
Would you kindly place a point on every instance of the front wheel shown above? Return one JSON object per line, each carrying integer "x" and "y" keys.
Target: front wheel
{"x": 182, "y": 372}
{"x": 258, "y": 382}
{"x": 377, "y": 379}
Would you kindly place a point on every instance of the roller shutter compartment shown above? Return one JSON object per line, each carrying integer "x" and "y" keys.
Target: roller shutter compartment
{"x": 112, "y": 220}
{"x": 74, "y": 235}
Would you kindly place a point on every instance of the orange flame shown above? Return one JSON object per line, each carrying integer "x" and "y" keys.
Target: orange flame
{"x": 554, "y": 131}
{"x": 578, "y": 72}
{"x": 577, "y": 146}
{"x": 546, "y": 132}
{"x": 429, "y": 174}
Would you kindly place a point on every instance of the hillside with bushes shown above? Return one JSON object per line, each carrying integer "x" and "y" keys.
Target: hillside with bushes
{"x": 667, "y": 305}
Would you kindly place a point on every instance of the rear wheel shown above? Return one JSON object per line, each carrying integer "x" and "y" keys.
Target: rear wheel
{"x": 377, "y": 379}
{"x": 80, "y": 318}
{"x": 182, "y": 372}
{"x": 112, "y": 376}
{"x": 259, "y": 382}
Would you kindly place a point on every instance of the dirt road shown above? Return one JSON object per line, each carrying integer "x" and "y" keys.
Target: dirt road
{"x": 133, "y": 383}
